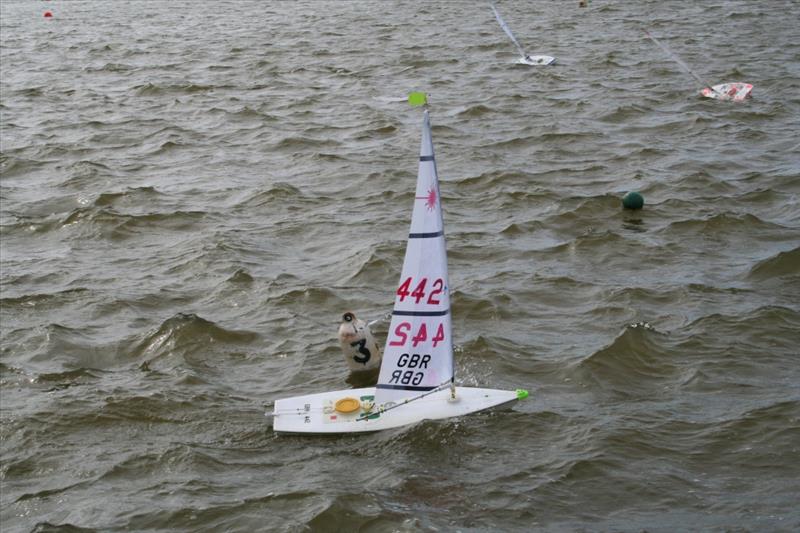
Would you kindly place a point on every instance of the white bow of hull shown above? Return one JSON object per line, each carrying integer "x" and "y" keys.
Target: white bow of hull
{"x": 534, "y": 61}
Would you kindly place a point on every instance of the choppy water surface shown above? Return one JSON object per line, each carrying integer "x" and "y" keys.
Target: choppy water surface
{"x": 192, "y": 193}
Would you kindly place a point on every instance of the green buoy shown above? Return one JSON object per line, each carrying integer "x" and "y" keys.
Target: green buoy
{"x": 633, "y": 200}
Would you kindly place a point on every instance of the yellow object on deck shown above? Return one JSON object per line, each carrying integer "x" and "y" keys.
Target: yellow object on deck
{"x": 347, "y": 405}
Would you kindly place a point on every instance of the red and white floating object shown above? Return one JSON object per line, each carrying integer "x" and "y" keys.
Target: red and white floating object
{"x": 525, "y": 59}
{"x": 736, "y": 91}
{"x": 733, "y": 91}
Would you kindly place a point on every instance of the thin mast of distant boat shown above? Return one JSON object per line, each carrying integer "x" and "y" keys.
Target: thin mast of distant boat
{"x": 525, "y": 59}
{"x": 508, "y": 30}
{"x": 704, "y": 84}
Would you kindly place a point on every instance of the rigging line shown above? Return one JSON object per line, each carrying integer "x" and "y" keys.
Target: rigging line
{"x": 507, "y": 30}
{"x": 382, "y": 410}
{"x": 680, "y": 62}
{"x": 326, "y": 325}
{"x": 385, "y": 318}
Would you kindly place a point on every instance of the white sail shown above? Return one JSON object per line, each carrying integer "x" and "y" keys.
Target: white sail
{"x": 419, "y": 346}
{"x": 507, "y": 30}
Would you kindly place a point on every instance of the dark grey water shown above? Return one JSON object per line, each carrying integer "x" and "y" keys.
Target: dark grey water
{"x": 193, "y": 192}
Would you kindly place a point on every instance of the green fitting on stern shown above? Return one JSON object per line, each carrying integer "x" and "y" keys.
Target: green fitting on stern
{"x": 522, "y": 394}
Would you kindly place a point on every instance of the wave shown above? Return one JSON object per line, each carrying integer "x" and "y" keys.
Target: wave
{"x": 152, "y": 89}
{"x": 559, "y": 139}
{"x": 316, "y": 296}
{"x": 492, "y": 179}
{"x": 278, "y": 192}
{"x": 771, "y": 426}
{"x": 473, "y": 307}
{"x": 45, "y": 300}
{"x": 765, "y": 339}
{"x": 474, "y": 111}
{"x": 106, "y": 222}
{"x": 188, "y": 337}
{"x": 636, "y": 363}
{"x": 110, "y": 67}
{"x": 587, "y": 211}
{"x": 13, "y": 166}
{"x": 240, "y": 276}
{"x": 83, "y": 171}
{"x": 370, "y": 132}
{"x": 600, "y": 242}
{"x": 725, "y": 222}
{"x": 68, "y": 378}
{"x": 54, "y": 351}
{"x": 782, "y": 265}
{"x": 516, "y": 229}
{"x": 766, "y": 321}
{"x": 707, "y": 183}
{"x": 622, "y": 114}
{"x": 47, "y": 527}
{"x": 297, "y": 143}
{"x": 30, "y": 92}
{"x": 68, "y": 375}
{"x": 166, "y": 147}
{"x": 370, "y": 265}
{"x": 243, "y": 514}
{"x": 132, "y": 195}
{"x": 49, "y": 213}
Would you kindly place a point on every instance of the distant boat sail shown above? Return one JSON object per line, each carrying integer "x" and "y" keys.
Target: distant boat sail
{"x": 525, "y": 59}
{"x": 416, "y": 379}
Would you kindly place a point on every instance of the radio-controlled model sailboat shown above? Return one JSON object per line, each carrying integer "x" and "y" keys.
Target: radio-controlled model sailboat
{"x": 416, "y": 379}
{"x": 524, "y": 59}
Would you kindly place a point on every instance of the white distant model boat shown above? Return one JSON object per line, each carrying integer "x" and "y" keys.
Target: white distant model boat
{"x": 734, "y": 91}
{"x": 416, "y": 377}
{"x": 525, "y": 59}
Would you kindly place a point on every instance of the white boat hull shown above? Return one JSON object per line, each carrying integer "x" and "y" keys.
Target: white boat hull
{"x": 316, "y": 413}
{"x": 536, "y": 60}
{"x": 736, "y": 91}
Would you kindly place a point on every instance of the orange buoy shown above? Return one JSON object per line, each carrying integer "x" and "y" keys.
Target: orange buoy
{"x": 48, "y": 14}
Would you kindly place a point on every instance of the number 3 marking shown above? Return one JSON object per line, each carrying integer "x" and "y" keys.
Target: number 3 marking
{"x": 363, "y": 350}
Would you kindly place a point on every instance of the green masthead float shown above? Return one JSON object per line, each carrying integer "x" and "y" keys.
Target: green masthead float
{"x": 417, "y": 99}
{"x": 417, "y": 380}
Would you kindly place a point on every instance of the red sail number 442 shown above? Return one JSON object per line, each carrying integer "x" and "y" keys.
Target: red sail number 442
{"x": 419, "y": 291}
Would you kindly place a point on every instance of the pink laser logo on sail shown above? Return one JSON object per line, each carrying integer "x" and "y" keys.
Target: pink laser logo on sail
{"x": 430, "y": 199}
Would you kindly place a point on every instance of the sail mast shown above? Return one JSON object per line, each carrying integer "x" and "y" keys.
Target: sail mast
{"x": 507, "y": 30}
{"x": 703, "y": 84}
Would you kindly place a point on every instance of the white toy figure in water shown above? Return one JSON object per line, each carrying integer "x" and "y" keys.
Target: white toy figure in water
{"x": 358, "y": 345}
